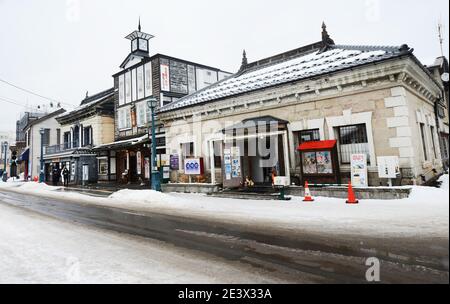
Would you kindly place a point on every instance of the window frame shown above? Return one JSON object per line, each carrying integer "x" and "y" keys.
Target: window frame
{"x": 362, "y": 134}
{"x": 424, "y": 141}
{"x": 314, "y": 132}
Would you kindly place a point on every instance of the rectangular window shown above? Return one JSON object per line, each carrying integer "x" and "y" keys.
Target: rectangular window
{"x": 46, "y": 137}
{"x": 58, "y": 137}
{"x": 353, "y": 140}
{"x": 217, "y": 154}
{"x": 124, "y": 118}
{"x": 87, "y": 136}
{"x": 187, "y": 150}
{"x": 309, "y": 135}
{"x": 103, "y": 166}
{"x": 121, "y": 89}
{"x": 141, "y": 115}
{"x": 67, "y": 140}
{"x": 148, "y": 79}
{"x": 166, "y": 100}
{"x": 128, "y": 87}
{"x": 140, "y": 82}
{"x": 133, "y": 85}
{"x": 433, "y": 142}
{"x": 424, "y": 146}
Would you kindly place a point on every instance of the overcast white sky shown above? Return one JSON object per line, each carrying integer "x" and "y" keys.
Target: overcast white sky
{"x": 63, "y": 48}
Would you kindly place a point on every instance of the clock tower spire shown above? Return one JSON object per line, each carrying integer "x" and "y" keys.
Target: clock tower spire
{"x": 139, "y": 40}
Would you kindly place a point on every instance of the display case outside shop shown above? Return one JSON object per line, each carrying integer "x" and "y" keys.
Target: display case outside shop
{"x": 319, "y": 162}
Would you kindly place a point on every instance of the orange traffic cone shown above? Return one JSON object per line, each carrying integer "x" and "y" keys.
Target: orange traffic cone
{"x": 351, "y": 195}
{"x": 308, "y": 196}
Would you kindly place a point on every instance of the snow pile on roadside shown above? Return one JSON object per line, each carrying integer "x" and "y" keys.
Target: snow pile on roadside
{"x": 37, "y": 187}
{"x": 444, "y": 181}
{"x": 424, "y": 213}
{"x": 141, "y": 196}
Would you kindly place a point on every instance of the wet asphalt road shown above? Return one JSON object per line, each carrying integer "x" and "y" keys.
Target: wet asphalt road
{"x": 292, "y": 256}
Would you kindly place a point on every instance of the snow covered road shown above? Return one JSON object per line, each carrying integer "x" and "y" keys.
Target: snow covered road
{"x": 424, "y": 214}
{"x": 38, "y": 249}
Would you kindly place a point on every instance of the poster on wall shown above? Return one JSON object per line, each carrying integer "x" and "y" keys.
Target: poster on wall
{"x": 324, "y": 164}
{"x": 192, "y": 166}
{"x": 359, "y": 170}
{"x": 174, "y": 162}
{"x": 147, "y": 167}
{"x": 138, "y": 162}
{"x": 227, "y": 162}
{"x": 388, "y": 167}
{"x": 309, "y": 163}
{"x": 235, "y": 162}
{"x": 165, "y": 77}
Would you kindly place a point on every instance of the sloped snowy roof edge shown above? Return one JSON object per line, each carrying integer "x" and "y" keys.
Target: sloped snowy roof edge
{"x": 336, "y": 58}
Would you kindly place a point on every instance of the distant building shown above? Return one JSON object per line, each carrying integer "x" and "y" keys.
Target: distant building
{"x": 87, "y": 126}
{"x": 21, "y": 141}
{"x": 6, "y": 141}
{"x": 32, "y": 151}
{"x": 142, "y": 76}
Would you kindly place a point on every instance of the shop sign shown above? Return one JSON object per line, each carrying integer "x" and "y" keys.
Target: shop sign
{"x": 388, "y": 167}
{"x": 147, "y": 167}
{"x": 359, "y": 170}
{"x": 174, "y": 162}
{"x": 235, "y": 162}
{"x": 192, "y": 166}
{"x": 138, "y": 163}
{"x": 227, "y": 162}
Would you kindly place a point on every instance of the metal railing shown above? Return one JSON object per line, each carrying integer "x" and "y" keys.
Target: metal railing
{"x": 65, "y": 147}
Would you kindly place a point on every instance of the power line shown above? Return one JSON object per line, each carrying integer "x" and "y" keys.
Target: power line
{"x": 11, "y": 102}
{"x": 31, "y": 92}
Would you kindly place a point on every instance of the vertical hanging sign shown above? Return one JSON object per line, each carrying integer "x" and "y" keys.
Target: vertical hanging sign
{"x": 139, "y": 163}
{"x": 165, "y": 78}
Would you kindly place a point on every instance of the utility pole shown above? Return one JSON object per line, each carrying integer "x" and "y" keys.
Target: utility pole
{"x": 155, "y": 182}
{"x": 5, "y": 147}
{"x": 41, "y": 173}
{"x": 5, "y": 174}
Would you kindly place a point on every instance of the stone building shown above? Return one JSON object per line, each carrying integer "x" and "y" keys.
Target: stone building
{"x": 371, "y": 100}
{"x": 440, "y": 71}
{"x": 82, "y": 129}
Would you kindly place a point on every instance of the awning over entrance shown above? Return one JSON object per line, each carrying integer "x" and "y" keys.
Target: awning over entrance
{"x": 317, "y": 145}
{"x": 263, "y": 121}
{"x": 123, "y": 144}
{"x": 25, "y": 155}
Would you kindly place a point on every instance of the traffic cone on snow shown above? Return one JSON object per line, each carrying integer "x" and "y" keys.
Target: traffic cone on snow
{"x": 308, "y": 196}
{"x": 351, "y": 195}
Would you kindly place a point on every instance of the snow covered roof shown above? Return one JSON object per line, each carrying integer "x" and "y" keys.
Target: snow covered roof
{"x": 121, "y": 143}
{"x": 89, "y": 102}
{"x": 298, "y": 67}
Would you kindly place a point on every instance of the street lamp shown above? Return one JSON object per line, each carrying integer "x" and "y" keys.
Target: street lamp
{"x": 155, "y": 178}
{"x": 41, "y": 173}
{"x": 5, "y": 147}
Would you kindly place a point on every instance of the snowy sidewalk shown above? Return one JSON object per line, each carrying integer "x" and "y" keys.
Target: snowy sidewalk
{"x": 424, "y": 214}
